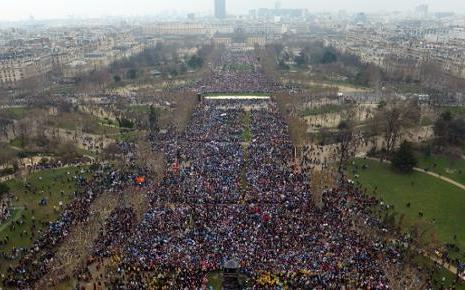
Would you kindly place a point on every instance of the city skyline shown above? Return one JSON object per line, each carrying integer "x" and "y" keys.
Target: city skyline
{"x": 56, "y": 9}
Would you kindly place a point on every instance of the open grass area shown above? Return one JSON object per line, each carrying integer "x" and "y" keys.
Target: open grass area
{"x": 444, "y": 166}
{"x": 215, "y": 281}
{"x": 442, "y": 204}
{"x": 442, "y": 278}
{"x": 456, "y": 110}
{"x": 128, "y": 136}
{"x": 247, "y": 123}
{"x": 139, "y": 109}
{"x": 56, "y": 186}
{"x": 16, "y": 113}
{"x": 17, "y": 142}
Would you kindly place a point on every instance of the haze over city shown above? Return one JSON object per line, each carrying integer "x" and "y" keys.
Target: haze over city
{"x": 52, "y": 9}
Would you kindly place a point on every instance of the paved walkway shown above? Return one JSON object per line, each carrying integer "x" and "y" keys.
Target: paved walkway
{"x": 451, "y": 268}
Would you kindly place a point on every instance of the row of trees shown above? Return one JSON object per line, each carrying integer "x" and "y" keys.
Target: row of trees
{"x": 396, "y": 73}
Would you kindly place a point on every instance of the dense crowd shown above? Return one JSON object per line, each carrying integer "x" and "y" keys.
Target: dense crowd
{"x": 36, "y": 261}
{"x": 229, "y": 194}
{"x": 225, "y": 200}
{"x": 236, "y": 72}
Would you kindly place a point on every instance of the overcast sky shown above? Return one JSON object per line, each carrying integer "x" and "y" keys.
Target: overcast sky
{"x": 46, "y": 9}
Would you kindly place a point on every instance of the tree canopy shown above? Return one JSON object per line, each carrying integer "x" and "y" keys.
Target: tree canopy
{"x": 195, "y": 62}
{"x": 404, "y": 160}
{"x": 449, "y": 130}
{"x": 4, "y": 189}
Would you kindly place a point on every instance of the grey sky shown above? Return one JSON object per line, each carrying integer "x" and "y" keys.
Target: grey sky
{"x": 40, "y": 9}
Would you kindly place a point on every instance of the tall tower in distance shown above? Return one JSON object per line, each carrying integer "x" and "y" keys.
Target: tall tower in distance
{"x": 220, "y": 9}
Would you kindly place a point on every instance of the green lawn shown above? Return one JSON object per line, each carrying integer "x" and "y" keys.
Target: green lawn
{"x": 215, "y": 280}
{"x": 129, "y": 136}
{"x": 56, "y": 185}
{"x": 443, "y": 279}
{"x": 247, "y": 122}
{"x": 15, "y": 214}
{"x": 444, "y": 166}
{"x": 17, "y": 142}
{"x": 16, "y": 113}
{"x": 457, "y": 110}
{"x": 442, "y": 204}
{"x": 239, "y": 66}
{"x": 139, "y": 109}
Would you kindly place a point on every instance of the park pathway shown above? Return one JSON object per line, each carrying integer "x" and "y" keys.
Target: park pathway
{"x": 448, "y": 180}
{"x": 451, "y": 268}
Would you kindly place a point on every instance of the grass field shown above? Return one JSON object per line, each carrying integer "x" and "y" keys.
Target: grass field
{"x": 239, "y": 67}
{"x": 56, "y": 185}
{"x": 128, "y": 136}
{"x": 442, "y": 204}
{"x": 247, "y": 121}
{"x": 443, "y": 279}
{"x": 444, "y": 166}
{"x": 16, "y": 113}
{"x": 215, "y": 281}
{"x": 458, "y": 110}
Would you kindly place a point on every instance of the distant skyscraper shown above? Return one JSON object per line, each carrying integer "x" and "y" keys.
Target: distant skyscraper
{"x": 220, "y": 9}
{"x": 421, "y": 11}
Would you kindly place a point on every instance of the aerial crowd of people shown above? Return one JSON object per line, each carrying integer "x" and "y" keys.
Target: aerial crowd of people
{"x": 225, "y": 200}
{"x": 236, "y": 72}
{"x": 230, "y": 193}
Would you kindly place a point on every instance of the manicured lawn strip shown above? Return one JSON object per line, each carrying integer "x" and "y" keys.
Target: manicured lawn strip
{"x": 456, "y": 110}
{"x": 442, "y": 204}
{"x": 16, "y": 113}
{"x": 247, "y": 123}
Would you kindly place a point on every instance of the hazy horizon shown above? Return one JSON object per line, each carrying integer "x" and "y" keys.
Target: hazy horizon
{"x": 53, "y": 9}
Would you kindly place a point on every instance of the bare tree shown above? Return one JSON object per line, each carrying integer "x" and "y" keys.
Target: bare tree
{"x": 390, "y": 120}
{"x": 321, "y": 181}
{"x": 347, "y": 144}
{"x": 148, "y": 159}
